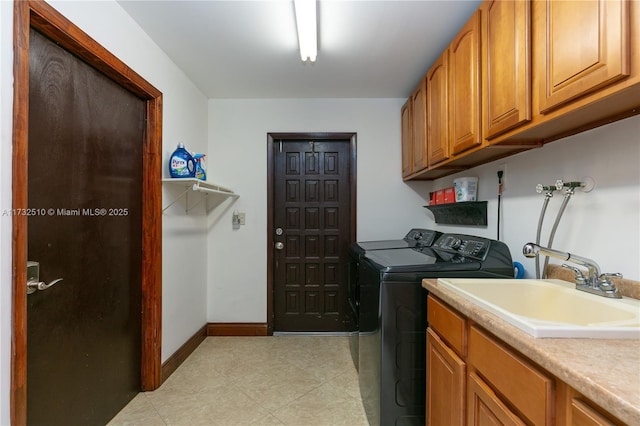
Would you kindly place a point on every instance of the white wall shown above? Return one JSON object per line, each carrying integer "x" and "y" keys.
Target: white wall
{"x": 237, "y": 258}
{"x": 603, "y": 224}
{"x": 6, "y": 100}
{"x": 184, "y": 119}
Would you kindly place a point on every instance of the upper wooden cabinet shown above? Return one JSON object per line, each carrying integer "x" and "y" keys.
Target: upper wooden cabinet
{"x": 465, "y": 130}
{"x": 523, "y": 73}
{"x": 419, "y": 127}
{"x": 438, "y": 110}
{"x": 506, "y": 65}
{"x": 407, "y": 138}
{"x": 583, "y": 46}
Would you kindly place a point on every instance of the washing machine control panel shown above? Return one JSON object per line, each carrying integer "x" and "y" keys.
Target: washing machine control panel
{"x": 463, "y": 245}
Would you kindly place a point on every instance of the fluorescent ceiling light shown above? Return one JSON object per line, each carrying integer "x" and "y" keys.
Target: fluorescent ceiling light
{"x": 307, "y": 29}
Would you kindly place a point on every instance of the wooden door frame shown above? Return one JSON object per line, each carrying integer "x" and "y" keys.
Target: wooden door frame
{"x": 324, "y": 137}
{"x": 42, "y": 17}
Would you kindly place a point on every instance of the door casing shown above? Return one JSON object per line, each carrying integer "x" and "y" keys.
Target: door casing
{"x": 271, "y": 141}
{"x": 45, "y": 19}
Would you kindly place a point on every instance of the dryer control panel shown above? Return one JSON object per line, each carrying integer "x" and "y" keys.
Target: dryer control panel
{"x": 464, "y": 245}
{"x": 422, "y": 237}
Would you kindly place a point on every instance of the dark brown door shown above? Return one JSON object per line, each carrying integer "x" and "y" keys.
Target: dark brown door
{"x": 85, "y": 191}
{"x": 312, "y": 230}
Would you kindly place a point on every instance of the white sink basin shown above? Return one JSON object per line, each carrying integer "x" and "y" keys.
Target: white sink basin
{"x": 552, "y": 308}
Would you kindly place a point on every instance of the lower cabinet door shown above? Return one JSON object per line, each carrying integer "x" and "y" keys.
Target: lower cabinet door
{"x": 583, "y": 415}
{"x": 445, "y": 384}
{"x": 485, "y": 408}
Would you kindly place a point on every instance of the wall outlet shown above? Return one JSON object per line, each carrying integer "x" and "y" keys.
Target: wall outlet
{"x": 502, "y": 185}
{"x": 238, "y": 218}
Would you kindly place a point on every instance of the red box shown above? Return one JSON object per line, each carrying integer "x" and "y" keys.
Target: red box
{"x": 449, "y": 195}
{"x": 432, "y": 198}
{"x": 440, "y": 196}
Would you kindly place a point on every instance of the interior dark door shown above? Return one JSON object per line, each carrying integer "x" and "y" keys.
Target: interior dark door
{"x": 84, "y": 226}
{"x": 312, "y": 233}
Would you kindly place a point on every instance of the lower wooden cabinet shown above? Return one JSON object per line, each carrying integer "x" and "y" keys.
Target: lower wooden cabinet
{"x": 446, "y": 377}
{"x": 526, "y": 388}
{"x": 584, "y": 415}
{"x": 479, "y": 389}
{"x": 573, "y": 409}
{"x": 473, "y": 378}
{"x": 486, "y": 408}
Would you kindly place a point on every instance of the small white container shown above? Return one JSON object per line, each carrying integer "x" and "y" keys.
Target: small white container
{"x": 466, "y": 188}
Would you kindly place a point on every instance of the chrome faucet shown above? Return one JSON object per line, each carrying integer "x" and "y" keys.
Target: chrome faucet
{"x": 595, "y": 282}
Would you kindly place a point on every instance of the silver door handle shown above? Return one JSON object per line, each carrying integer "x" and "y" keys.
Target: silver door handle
{"x": 33, "y": 278}
{"x": 279, "y": 245}
{"x": 34, "y": 285}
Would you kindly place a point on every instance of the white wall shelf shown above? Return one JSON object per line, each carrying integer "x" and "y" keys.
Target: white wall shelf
{"x": 203, "y": 188}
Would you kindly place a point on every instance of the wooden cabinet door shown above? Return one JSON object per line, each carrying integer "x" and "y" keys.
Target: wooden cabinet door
{"x": 506, "y": 65}
{"x": 584, "y": 415}
{"x": 508, "y": 373}
{"x": 438, "y": 110}
{"x": 419, "y": 127}
{"x": 464, "y": 86}
{"x": 485, "y": 408}
{"x": 582, "y": 46}
{"x": 445, "y": 384}
{"x": 407, "y": 139}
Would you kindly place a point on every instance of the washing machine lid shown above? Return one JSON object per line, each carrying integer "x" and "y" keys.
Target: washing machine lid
{"x": 422, "y": 261}
{"x": 416, "y": 237}
{"x": 402, "y": 257}
{"x": 385, "y": 244}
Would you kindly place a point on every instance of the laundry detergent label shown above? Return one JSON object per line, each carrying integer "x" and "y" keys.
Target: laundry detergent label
{"x": 181, "y": 167}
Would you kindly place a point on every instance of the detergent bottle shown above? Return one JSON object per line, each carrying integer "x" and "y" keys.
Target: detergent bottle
{"x": 181, "y": 163}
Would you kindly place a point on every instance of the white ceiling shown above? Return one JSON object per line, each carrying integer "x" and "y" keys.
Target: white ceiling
{"x": 249, "y": 49}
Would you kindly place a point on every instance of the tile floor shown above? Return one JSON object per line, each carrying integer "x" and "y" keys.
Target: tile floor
{"x": 281, "y": 380}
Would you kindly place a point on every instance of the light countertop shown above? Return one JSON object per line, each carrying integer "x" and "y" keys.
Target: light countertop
{"x": 605, "y": 371}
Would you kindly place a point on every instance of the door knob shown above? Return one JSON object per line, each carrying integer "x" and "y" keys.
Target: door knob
{"x": 33, "y": 278}
{"x": 279, "y": 245}
{"x": 33, "y": 285}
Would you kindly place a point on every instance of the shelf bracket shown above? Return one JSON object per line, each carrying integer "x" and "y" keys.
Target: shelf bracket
{"x": 197, "y": 185}
{"x": 184, "y": 193}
